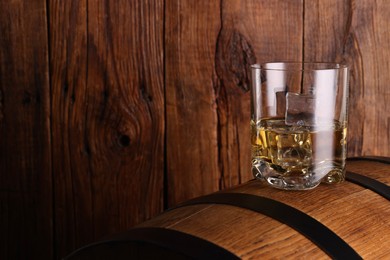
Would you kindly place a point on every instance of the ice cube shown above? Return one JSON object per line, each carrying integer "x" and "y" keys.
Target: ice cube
{"x": 294, "y": 148}
{"x": 309, "y": 110}
{"x": 300, "y": 109}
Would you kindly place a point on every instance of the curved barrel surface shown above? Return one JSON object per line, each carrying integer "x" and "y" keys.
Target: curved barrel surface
{"x": 348, "y": 220}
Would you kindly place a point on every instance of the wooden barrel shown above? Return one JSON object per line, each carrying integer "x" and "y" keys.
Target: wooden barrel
{"x": 253, "y": 221}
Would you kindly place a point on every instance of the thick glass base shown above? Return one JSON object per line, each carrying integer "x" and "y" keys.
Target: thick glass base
{"x": 297, "y": 179}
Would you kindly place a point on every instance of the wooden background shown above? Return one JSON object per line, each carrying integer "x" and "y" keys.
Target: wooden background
{"x": 112, "y": 111}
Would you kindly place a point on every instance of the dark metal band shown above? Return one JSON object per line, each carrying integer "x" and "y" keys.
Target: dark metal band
{"x": 185, "y": 245}
{"x": 367, "y": 182}
{"x": 315, "y": 231}
{"x": 380, "y": 159}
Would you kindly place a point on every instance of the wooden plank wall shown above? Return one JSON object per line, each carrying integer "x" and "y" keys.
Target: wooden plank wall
{"x": 107, "y": 116}
{"x": 111, "y": 111}
{"x": 26, "y": 201}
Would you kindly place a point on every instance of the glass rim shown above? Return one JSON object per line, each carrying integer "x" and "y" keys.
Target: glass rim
{"x": 312, "y": 66}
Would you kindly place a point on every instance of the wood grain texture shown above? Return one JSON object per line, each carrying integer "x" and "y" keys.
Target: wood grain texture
{"x": 247, "y": 234}
{"x": 355, "y": 32}
{"x": 359, "y": 216}
{"x": 207, "y": 82}
{"x": 25, "y": 160}
{"x": 370, "y": 26}
{"x": 243, "y": 40}
{"x": 108, "y": 117}
{"x": 192, "y": 138}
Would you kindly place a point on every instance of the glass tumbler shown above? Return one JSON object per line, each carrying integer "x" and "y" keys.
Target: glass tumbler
{"x": 299, "y": 123}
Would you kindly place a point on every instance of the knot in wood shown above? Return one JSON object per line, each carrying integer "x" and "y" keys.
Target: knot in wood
{"x": 124, "y": 140}
{"x": 234, "y": 55}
